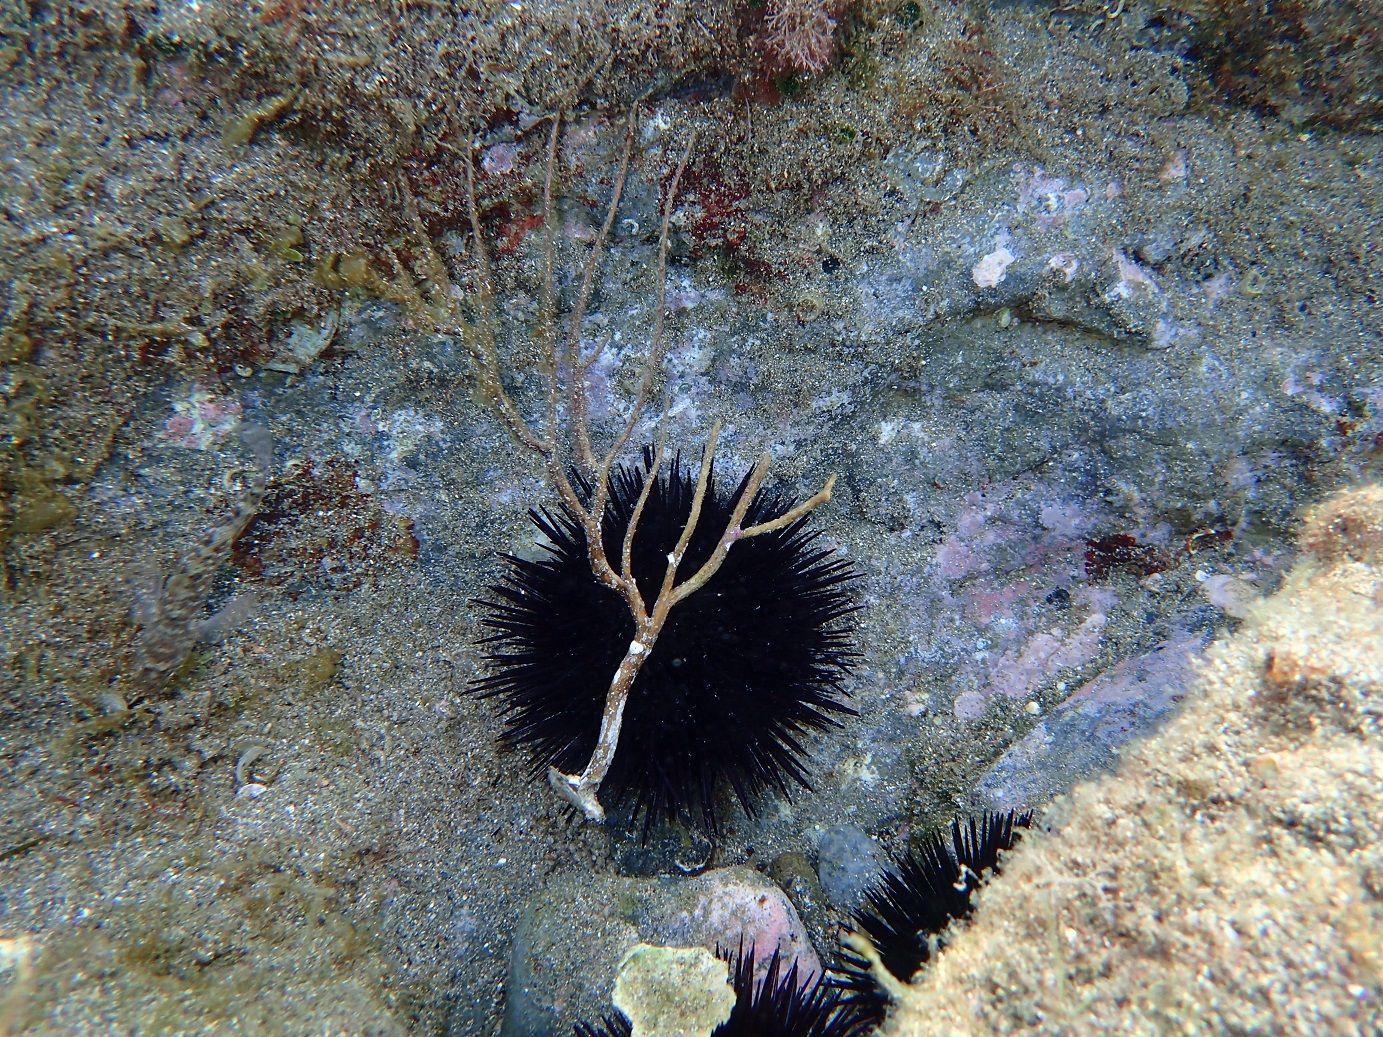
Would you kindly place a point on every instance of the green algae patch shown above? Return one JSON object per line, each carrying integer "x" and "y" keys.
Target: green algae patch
{"x": 339, "y": 271}
{"x": 285, "y": 242}
{"x": 50, "y": 511}
{"x": 242, "y": 128}
{"x": 319, "y": 669}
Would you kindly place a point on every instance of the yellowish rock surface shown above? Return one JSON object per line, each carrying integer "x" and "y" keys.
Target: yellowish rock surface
{"x": 1229, "y": 877}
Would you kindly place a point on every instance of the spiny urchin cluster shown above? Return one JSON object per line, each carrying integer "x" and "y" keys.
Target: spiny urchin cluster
{"x": 742, "y": 670}
{"x": 905, "y": 914}
{"x": 778, "y": 1005}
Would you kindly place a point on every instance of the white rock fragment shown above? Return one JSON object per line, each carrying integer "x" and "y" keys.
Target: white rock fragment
{"x": 304, "y": 345}
{"x": 891, "y": 428}
{"x": 1133, "y": 280}
{"x": 992, "y": 269}
{"x": 1233, "y": 595}
{"x": 673, "y": 991}
{"x": 1066, "y": 264}
{"x": 1175, "y": 170}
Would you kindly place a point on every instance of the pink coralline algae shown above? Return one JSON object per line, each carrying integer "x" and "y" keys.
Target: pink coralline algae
{"x": 1174, "y": 171}
{"x": 499, "y": 159}
{"x": 1023, "y": 670}
{"x": 1151, "y": 681}
{"x": 734, "y": 907}
{"x": 1053, "y": 201}
{"x": 202, "y": 420}
{"x": 1009, "y": 548}
{"x": 994, "y": 534}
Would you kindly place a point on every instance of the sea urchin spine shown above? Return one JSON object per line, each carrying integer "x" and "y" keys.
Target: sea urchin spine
{"x": 734, "y": 678}
{"x": 780, "y": 1004}
{"x": 905, "y": 914}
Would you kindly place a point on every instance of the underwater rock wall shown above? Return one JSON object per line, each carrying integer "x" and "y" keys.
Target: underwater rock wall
{"x": 1081, "y": 308}
{"x": 1228, "y": 876}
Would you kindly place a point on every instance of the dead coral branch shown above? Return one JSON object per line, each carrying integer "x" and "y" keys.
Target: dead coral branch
{"x": 563, "y": 442}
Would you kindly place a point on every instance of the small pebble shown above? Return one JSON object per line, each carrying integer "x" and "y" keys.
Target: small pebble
{"x": 847, "y": 864}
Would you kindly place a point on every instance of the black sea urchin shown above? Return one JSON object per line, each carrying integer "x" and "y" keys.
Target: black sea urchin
{"x": 741, "y": 671}
{"x": 777, "y": 1005}
{"x": 905, "y": 913}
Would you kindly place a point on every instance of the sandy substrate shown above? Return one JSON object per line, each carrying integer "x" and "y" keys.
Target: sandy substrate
{"x": 1037, "y": 281}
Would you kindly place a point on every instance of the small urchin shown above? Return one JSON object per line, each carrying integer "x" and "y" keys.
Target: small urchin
{"x": 779, "y": 1003}
{"x": 743, "y": 669}
{"x": 906, "y": 914}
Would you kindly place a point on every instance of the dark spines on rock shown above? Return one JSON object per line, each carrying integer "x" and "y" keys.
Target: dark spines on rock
{"x": 782, "y": 1003}
{"x": 906, "y": 912}
{"x": 742, "y": 672}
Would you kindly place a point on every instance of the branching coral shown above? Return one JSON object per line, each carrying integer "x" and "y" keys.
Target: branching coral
{"x": 562, "y": 441}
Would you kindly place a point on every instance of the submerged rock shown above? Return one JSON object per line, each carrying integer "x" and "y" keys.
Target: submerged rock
{"x": 577, "y": 932}
{"x": 1225, "y": 879}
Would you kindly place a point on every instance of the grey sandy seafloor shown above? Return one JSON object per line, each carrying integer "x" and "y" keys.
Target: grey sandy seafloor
{"x": 1078, "y": 302}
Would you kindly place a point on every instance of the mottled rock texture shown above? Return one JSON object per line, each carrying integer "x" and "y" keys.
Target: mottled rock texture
{"x": 1229, "y": 877}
